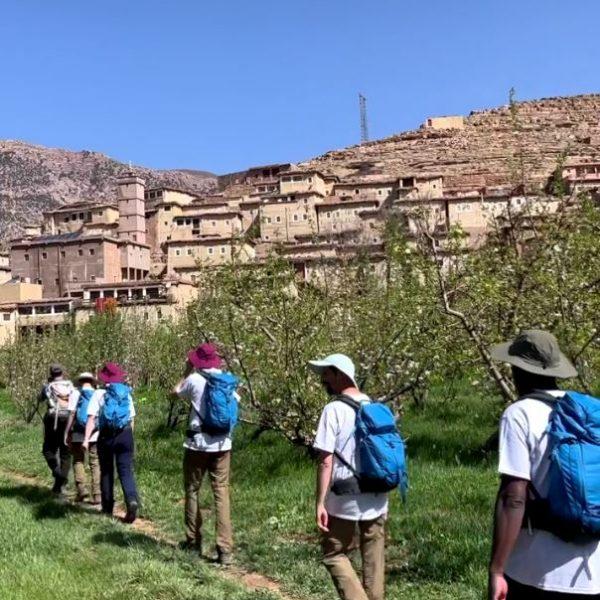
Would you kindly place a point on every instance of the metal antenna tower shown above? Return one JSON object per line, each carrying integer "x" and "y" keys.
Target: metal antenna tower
{"x": 364, "y": 127}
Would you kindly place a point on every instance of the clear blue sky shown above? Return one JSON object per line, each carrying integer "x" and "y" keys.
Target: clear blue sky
{"x": 224, "y": 84}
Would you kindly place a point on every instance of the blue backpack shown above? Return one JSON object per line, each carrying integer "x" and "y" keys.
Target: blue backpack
{"x": 380, "y": 449}
{"x": 221, "y": 407}
{"x": 115, "y": 413}
{"x": 81, "y": 415}
{"x": 571, "y": 509}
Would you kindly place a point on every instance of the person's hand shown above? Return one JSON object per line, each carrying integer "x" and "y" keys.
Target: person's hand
{"x": 322, "y": 518}
{"x": 497, "y": 587}
{"x": 86, "y": 445}
{"x": 67, "y": 440}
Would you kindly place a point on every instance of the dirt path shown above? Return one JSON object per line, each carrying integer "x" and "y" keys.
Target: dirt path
{"x": 250, "y": 580}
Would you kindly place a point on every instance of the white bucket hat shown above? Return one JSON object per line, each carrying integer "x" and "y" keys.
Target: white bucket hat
{"x": 86, "y": 376}
{"x": 341, "y": 362}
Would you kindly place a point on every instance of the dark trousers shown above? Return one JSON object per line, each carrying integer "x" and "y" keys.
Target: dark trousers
{"x": 55, "y": 451}
{"x": 116, "y": 447}
{"x": 518, "y": 591}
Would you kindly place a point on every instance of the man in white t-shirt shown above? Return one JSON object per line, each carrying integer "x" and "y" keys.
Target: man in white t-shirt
{"x": 528, "y": 562}
{"x": 342, "y": 511}
{"x": 205, "y": 453}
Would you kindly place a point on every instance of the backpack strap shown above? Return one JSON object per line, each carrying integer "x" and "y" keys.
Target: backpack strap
{"x": 540, "y": 395}
{"x": 355, "y": 405}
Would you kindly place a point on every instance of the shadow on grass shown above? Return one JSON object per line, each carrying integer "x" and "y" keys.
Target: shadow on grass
{"x": 44, "y": 504}
{"x": 126, "y": 539}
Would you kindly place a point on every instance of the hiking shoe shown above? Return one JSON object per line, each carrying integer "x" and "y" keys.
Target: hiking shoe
{"x": 224, "y": 558}
{"x": 132, "y": 509}
{"x": 193, "y": 545}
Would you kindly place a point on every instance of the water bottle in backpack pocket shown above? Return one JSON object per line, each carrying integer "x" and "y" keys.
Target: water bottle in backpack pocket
{"x": 220, "y": 403}
{"x": 116, "y": 413}
{"x": 380, "y": 451}
{"x": 571, "y": 508}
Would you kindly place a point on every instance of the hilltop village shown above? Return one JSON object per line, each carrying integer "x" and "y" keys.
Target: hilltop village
{"x": 144, "y": 251}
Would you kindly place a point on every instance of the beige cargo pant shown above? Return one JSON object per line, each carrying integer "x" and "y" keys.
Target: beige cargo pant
{"x": 217, "y": 464}
{"x": 342, "y": 538}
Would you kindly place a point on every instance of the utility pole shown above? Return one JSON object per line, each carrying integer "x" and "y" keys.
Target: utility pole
{"x": 364, "y": 127}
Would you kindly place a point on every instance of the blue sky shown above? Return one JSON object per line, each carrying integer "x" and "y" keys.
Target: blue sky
{"x": 223, "y": 85}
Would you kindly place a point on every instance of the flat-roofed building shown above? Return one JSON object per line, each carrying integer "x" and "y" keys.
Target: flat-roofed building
{"x": 188, "y": 257}
{"x": 215, "y": 224}
{"x": 582, "y": 176}
{"x": 283, "y": 217}
{"x": 73, "y": 217}
{"x": 299, "y": 181}
{"x": 420, "y": 186}
{"x": 5, "y": 271}
{"x": 382, "y": 190}
{"x": 449, "y": 122}
{"x": 337, "y": 214}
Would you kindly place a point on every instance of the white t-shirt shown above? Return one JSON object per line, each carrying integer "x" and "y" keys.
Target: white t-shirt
{"x": 335, "y": 433}
{"x": 539, "y": 558}
{"x": 192, "y": 389}
{"x": 97, "y": 402}
{"x": 77, "y": 436}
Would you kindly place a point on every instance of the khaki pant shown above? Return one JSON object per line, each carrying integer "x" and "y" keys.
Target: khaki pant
{"x": 195, "y": 465}
{"x": 342, "y": 538}
{"x": 79, "y": 469}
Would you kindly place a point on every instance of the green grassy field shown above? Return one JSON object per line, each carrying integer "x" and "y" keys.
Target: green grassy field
{"x": 438, "y": 543}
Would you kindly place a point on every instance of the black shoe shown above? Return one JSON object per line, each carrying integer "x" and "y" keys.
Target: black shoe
{"x": 224, "y": 558}
{"x": 132, "y": 509}
{"x": 192, "y": 545}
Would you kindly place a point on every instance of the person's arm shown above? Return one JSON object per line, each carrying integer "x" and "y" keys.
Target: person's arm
{"x": 177, "y": 390}
{"x": 69, "y": 427}
{"x": 324, "y": 472}
{"x": 508, "y": 520}
{"x": 89, "y": 429}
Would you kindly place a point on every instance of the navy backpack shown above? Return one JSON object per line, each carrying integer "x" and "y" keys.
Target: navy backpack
{"x": 380, "y": 449}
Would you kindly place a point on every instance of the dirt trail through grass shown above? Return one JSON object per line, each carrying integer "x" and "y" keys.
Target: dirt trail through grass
{"x": 250, "y": 580}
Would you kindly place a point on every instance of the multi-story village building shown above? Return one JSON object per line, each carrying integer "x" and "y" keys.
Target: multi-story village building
{"x": 146, "y": 238}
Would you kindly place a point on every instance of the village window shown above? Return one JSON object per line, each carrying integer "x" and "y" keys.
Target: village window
{"x": 310, "y": 179}
{"x": 92, "y": 278}
{"x": 88, "y": 217}
{"x": 67, "y": 219}
{"x": 214, "y": 223}
{"x": 222, "y": 249}
{"x": 189, "y": 251}
{"x": 167, "y": 208}
{"x": 305, "y": 217}
{"x": 61, "y": 308}
{"x": 159, "y": 193}
{"x": 44, "y": 255}
{"x": 278, "y": 219}
{"x": 6, "y": 316}
{"x": 26, "y": 257}
{"x": 196, "y": 222}
{"x": 152, "y": 194}
{"x": 297, "y": 178}
{"x": 295, "y": 217}
{"x": 177, "y": 252}
{"x": 80, "y": 252}
{"x": 56, "y": 281}
{"x": 210, "y": 250}
{"x": 81, "y": 216}
{"x": 74, "y": 279}
{"x": 357, "y": 191}
{"x": 73, "y": 217}
{"x": 188, "y": 221}
{"x": 92, "y": 251}
{"x": 286, "y": 179}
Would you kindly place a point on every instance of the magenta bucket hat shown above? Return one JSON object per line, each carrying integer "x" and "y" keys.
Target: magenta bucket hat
{"x": 112, "y": 373}
{"x": 205, "y": 356}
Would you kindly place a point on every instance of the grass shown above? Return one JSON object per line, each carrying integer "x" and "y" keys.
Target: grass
{"x": 438, "y": 543}
{"x": 53, "y": 551}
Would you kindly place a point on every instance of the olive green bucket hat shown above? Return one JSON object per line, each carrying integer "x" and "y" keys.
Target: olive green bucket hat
{"x": 535, "y": 351}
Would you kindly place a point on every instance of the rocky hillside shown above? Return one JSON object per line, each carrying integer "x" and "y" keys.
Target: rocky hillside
{"x": 35, "y": 178}
{"x": 494, "y": 147}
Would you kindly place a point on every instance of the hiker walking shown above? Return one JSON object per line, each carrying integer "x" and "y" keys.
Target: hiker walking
{"x": 351, "y": 498}
{"x": 113, "y": 407}
{"x": 56, "y": 394}
{"x": 75, "y": 435}
{"x": 213, "y": 415}
{"x": 547, "y": 523}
